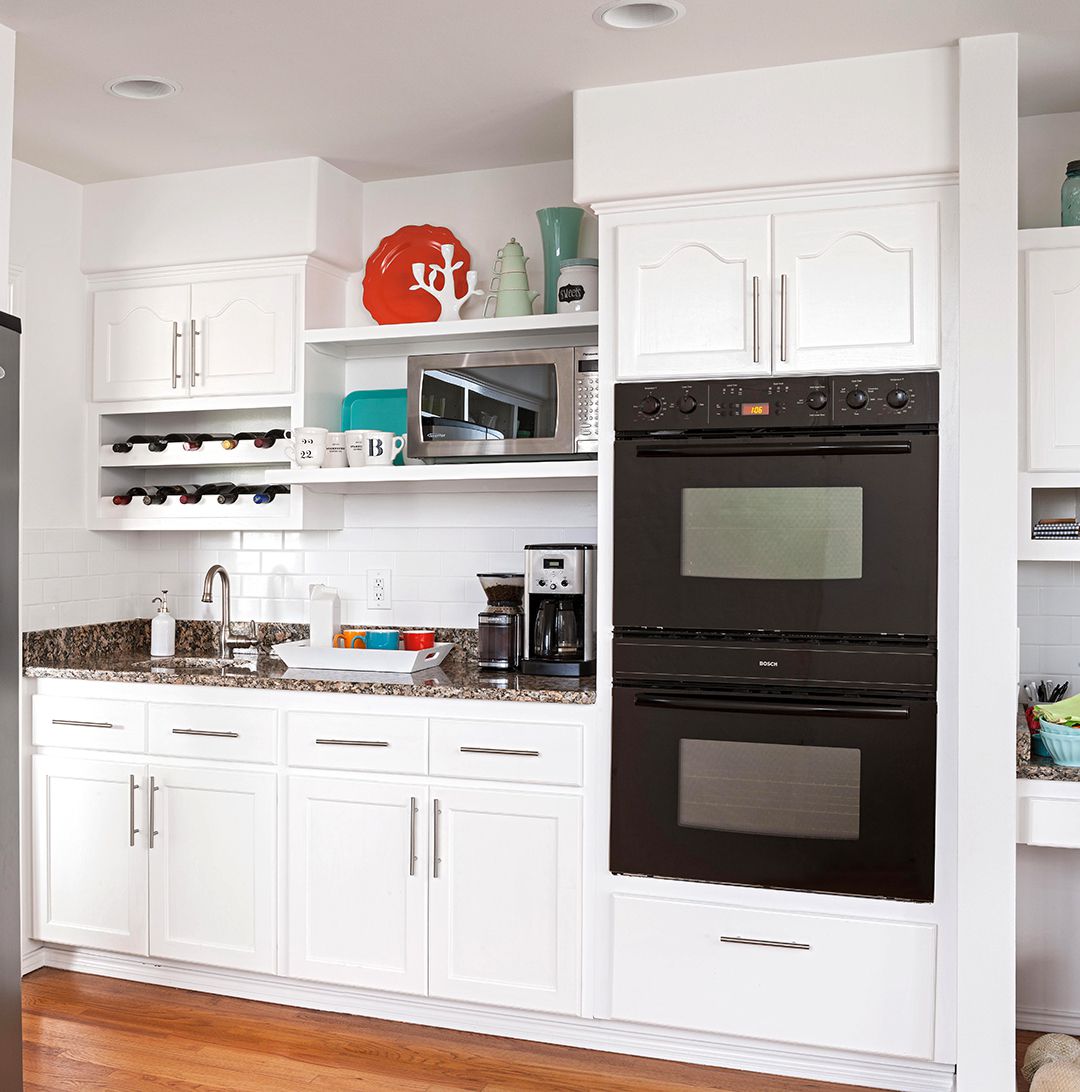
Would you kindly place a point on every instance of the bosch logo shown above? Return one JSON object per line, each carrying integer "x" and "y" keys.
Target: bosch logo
{"x": 768, "y": 663}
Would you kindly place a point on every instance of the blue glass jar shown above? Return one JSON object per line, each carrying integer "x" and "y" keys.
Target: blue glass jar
{"x": 1070, "y": 195}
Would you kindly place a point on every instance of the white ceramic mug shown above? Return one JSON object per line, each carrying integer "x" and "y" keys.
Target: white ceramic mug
{"x": 308, "y": 447}
{"x": 336, "y": 455}
{"x": 381, "y": 448}
{"x": 356, "y": 447}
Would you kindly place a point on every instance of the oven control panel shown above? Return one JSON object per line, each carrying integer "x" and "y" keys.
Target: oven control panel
{"x": 801, "y": 402}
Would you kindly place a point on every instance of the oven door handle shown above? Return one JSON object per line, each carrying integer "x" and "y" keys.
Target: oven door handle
{"x": 696, "y": 451}
{"x": 782, "y": 708}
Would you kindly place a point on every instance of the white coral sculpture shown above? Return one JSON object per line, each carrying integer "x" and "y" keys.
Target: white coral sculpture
{"x": 449, "y": 303}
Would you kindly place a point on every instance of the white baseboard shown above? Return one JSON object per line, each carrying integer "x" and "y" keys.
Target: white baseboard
{"x": 606, "y": 1035}
{"x": 34, "y": 959}
{"x": 1032, "y": 1019}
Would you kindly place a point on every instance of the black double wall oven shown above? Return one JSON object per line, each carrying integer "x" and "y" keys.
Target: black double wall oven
{"x": 775, "y": 610}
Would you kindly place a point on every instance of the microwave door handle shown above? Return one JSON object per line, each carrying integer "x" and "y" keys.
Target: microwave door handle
{"x": 780, "y": 708}
{"x": 699, "y": 451}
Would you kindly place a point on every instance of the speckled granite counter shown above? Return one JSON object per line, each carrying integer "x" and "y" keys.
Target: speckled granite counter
{"x": 119, "y": 652}
{"x": 1033, "y": 768}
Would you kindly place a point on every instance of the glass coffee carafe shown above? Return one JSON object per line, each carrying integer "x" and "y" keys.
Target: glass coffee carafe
{"x": 499, "y": 627}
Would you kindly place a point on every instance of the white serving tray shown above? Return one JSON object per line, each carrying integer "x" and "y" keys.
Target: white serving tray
{"x": 300, "y": 654}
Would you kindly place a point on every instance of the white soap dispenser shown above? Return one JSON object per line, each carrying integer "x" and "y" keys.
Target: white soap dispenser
{"x": 163, "y": 629}
{"x": 324, "y": 615}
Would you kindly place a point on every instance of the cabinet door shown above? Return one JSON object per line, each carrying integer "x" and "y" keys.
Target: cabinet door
{"x": 212, "y": 867}
{"x": 244, "y": 335}
{"x": 693, "y": 297}
{"x": 1053, "y": 345}
{"x": 857, "y": 289}
{"x": 138, "y": 342}
{"x": 505, "y": 900}
{"x": 357, "y": 883}
{"x": 89, "y": 884}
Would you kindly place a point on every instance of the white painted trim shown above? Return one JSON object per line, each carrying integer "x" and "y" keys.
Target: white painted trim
{"x": 769, "y": 193}
{"x": 204, "y": 271}
{"x": 607, "y": 1035}
{"x": 1065, "y": 1021}
{"x": 34, "y": 960}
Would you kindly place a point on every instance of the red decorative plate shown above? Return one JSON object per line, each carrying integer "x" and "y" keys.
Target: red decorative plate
{"x": 388, "y": 274}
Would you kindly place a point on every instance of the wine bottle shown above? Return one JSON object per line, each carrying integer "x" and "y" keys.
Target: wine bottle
{"x": 229, "y": 442}
{"x": 157, "y": 443}
{"x": 268, "y": 492}
{"x": 125, "y": 498}
{"x": 213, "y": 489}
{"x": 123, "y": 447}
{"x": 238, "y": 491}
{"x": 268, "y": 439}
{"x": 159, "y": 494}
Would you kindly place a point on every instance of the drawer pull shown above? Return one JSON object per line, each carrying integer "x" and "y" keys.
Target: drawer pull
{"x": 498, "y": 751}
{"x": 132, "y": 828}
{"x": 352, "y": 742}
{"x": 793, "y": 945}
{"x": 85, "y": 723}
{"x": 153, "y": 821}
{"x": 436, "y": 860}
{"x": 199, "y": 732}
{"x": 412, "y": 835}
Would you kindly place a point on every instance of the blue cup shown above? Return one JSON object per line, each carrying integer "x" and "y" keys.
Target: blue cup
{"x": 388, "y": 639}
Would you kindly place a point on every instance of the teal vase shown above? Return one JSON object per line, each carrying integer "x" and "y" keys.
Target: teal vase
{"x": 559, "y": 230}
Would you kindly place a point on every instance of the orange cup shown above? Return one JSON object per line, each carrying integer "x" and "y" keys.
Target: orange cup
{"x": 415, "y": 640}
{"x": 351, "y": 638}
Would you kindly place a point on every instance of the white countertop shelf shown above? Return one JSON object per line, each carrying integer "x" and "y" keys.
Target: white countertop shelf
{"x": 520, "y": 476}
{"x": 210, "y": 454}
{"x": 1049, "y": 549}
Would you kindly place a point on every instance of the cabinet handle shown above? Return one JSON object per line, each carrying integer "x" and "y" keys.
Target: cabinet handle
{"x": 435, "y": 859}
{"x": 153, "y": 792}
{"x": 85, "y": 723}
{"x": 132, "y": 828}
{"x": 175, "y": 339}
{"x": 792, "y": 945}
{"x": 412, "y": 835}
{"x": 191, "y": 352}
{"x": 200, "y": 732}
{"x": 757, "y": 336}
{"x": 498, "y": 751}
{"x": 352, "y": 742}
{"x": 783, "y": 317}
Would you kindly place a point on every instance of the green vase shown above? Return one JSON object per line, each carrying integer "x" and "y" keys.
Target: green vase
{"x": 559, "y": 230}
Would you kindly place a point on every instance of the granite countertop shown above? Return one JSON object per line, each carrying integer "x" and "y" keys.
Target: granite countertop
{"x": 1034, "y": 768}
{"x": 119, "y": 652}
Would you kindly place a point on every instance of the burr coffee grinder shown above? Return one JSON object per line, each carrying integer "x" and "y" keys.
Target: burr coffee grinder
{"x": 499, "y": 627}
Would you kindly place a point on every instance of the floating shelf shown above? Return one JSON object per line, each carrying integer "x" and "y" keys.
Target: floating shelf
{"x": 555, "y": 475}
{"x": 374, "y": 340}
{"x": 210, "y": 454}
{"x": 205, "y": 516}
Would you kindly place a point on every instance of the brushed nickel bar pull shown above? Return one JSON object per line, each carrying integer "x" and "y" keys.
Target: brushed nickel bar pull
{"x": 175, "y": 339}
{"x": 132, "y": 828}
{"x": 792, "y": 945}
{"x": 191, "y": 353}
{"x": 85, "y": 723}
{"x": 200, "y": 732}
{"x": 757, "y": 332}
{"x": 153, "y": 792}
{"x": 783, "y": 317}
{"x": 352, "y": 742}
{"x": 498, "y": 751}
{"x": 412, "y": 835}
{"x": 435, "y": 860}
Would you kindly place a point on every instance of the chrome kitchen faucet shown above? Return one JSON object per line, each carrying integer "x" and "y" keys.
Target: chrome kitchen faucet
{"x": 228, "y": 643}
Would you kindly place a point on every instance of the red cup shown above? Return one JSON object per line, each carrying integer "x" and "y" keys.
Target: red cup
{"x": 415, "y": 640}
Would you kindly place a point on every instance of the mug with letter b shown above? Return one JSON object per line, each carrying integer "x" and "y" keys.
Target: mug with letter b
{"x": 381, "y": 448}
{"x": 350, "y": 638}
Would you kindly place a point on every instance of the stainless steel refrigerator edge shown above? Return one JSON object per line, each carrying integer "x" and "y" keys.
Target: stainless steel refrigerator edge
{"x": 10, "y": 930}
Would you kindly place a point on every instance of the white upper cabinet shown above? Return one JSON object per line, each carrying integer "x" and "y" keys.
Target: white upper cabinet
{"x": 210, "y": 337}
{"x": 90, "y": 854}
{"x": 857, "y": 289}
{"x": 245, "y": 335}
{"x": 693, "y": 297}
{"x": 1053, "y": 348}
{"x": 139, "y": 337}
{"x": 505, "y": 904}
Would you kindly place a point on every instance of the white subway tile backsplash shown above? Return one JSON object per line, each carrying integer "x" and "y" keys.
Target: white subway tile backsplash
{"x": 58, "y": 542}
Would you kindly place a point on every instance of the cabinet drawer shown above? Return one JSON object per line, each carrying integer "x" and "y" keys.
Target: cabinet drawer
{"x": 833, "y": 982}
{"x": 96, "y": 723}
{"x": 1049, "y": 821}
{"x": 537, "y": 753}
{"x": 224, "y": 732}
{"x": 340, "y": 741}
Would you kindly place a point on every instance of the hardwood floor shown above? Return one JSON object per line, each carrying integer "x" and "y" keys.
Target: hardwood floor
{"x": 88, "y": 1034}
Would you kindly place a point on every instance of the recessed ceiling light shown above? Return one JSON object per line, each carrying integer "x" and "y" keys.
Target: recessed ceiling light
{"x": 142, "y": 87}
{"x": 635, "y": 15}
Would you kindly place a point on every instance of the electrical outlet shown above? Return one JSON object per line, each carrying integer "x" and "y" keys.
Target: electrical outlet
{"x": 378, "y": 589}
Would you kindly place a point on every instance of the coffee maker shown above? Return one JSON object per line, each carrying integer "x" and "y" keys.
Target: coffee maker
{"x": 560, "y": 610}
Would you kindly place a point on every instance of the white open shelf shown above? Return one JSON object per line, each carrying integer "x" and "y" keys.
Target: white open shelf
{"x": 1043, "y": 495}
{"x": 518, "y": 476}
{"x": 204, "y": 516}
{"x": 210, "y": 454}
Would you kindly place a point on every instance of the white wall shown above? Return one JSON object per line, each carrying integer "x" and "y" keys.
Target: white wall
{"x": 868, "y": 117}
{"x": 1047, "y": 143}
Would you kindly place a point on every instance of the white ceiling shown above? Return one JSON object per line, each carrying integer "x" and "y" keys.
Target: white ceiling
{"x": 391, "y": 88}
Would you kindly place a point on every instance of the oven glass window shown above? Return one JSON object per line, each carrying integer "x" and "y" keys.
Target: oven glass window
{"x": 769, "y": 789}
{"x": 512, "y": 402}
{"x": 797, "y": 533}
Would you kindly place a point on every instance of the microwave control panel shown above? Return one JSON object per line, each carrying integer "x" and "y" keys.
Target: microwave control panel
{"x": 795, "y": 402}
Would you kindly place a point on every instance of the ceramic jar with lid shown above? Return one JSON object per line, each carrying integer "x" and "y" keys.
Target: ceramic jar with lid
{"x": 578, "y": 288}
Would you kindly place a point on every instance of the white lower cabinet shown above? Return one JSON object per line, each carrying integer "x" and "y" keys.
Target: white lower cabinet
{"x": 90, "y": 860}
{"x": 213, "y": 880}
{"x": 505, "y": 901}
{"x": 357, "y": 883}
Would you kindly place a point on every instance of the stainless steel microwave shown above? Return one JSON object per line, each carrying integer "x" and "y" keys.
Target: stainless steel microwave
{"x": 521, "y": 403}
